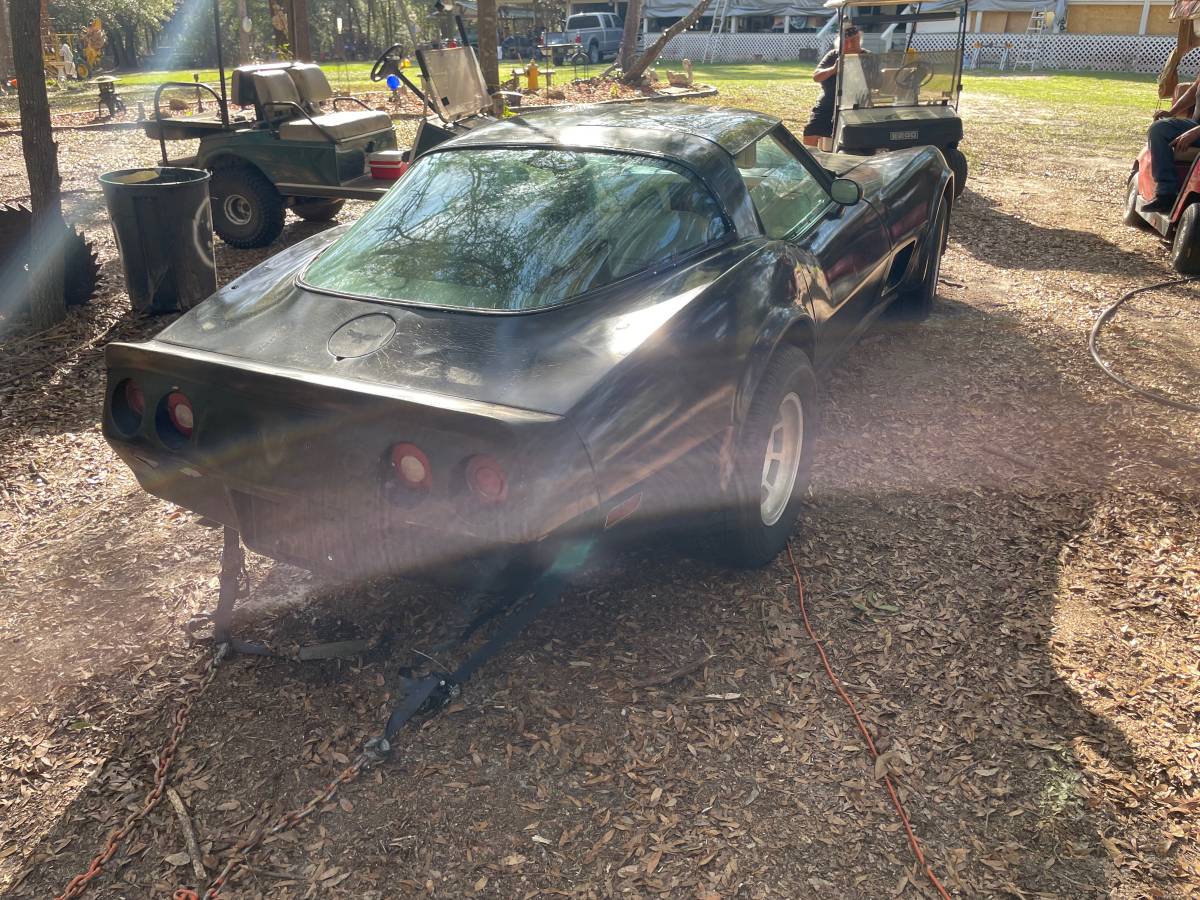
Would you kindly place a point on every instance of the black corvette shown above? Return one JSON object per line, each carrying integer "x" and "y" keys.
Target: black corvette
{"x": 557, "y": 324}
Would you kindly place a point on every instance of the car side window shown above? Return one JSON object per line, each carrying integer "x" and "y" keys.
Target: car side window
{"x": 787, "y": 196}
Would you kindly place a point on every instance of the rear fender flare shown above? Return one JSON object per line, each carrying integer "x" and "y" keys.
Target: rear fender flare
{"x": 784, "y": 325}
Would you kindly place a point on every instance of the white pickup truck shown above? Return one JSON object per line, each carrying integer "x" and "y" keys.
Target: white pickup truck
{"x": 597, "y": 34}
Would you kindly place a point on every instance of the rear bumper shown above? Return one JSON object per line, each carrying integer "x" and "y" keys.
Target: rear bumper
{"x": 300, "y": 465}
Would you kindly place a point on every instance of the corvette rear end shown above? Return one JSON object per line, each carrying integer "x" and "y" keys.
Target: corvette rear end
{"x": 335, "y": 474}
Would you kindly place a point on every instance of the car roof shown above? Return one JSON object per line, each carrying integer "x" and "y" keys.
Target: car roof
{"x": 652, "y": 127}
{"x": 704, "y": 139}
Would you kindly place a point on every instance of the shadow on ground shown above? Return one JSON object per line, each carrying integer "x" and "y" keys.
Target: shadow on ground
{"x": 957, "y": 475}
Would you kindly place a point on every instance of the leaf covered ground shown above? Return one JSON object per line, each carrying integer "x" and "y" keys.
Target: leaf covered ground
{"x": 1000, "y": 551}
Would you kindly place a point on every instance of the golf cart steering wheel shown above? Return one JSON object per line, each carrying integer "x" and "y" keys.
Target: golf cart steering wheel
{"x": 915, "y": 74}
{"x": 387, "y": 64}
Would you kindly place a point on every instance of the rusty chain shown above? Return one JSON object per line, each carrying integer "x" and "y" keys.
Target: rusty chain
{"x": 166, "y": 756}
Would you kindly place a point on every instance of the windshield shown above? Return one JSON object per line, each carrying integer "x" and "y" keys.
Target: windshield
{"x": 899, "y": 78}
{"x": 518, "y": 229}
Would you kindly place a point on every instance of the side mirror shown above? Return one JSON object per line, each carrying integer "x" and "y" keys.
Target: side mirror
{"x": 845, "y": 192}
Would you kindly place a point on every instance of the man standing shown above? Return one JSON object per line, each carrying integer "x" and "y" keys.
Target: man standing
{"x": 1171, "y": 133}
{"x": 820, "y": 123}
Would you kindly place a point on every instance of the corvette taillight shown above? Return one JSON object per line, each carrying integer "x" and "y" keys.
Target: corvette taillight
{"x": 179, "y": 411}
{"x": 128, "y": 406}
{"x": 411, "y": 466}
{"x": 487, "y": 480}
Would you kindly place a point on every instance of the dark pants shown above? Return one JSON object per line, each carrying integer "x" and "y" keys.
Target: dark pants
{"x": 1162, "y": 157}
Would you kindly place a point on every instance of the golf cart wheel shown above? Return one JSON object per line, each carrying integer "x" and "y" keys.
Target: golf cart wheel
{"x": 1131, "y": 216}
{"x": 318, "y": 210}
{"x": 772, "y": 461}
{"x": 914, "y": 303}
{"x": 593, "y": 53}
{"x": 247, "y": 211}
{"x": 958, "y": 165}
{"x": 1185, "y": 250}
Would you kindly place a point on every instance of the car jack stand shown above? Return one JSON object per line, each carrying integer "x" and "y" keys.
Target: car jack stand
{"x": 232, "y": 581}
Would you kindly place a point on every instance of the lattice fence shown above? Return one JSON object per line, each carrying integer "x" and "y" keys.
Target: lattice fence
{"x": 1097, "y": 52}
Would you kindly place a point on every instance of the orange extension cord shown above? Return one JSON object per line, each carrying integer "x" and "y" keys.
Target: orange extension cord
{"x": 887, "y": 779}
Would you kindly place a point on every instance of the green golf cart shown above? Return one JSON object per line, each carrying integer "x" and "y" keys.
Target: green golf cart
{"x": 285, "y": 150}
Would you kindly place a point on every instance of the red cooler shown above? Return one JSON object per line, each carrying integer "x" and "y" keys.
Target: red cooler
{"x": 387, "y": 165}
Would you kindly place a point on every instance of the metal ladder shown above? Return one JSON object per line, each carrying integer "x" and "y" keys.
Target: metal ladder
{"x": 720, "y": 14}
{"x": 1029, "y": 54}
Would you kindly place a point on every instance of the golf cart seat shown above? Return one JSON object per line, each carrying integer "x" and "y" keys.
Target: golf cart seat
{"x": 274, "y": 93}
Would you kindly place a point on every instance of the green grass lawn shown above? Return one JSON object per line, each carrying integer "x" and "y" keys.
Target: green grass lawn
{"x": 1098, "y": 111}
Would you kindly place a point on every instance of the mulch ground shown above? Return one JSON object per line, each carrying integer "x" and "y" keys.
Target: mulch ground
{"x": 1001, "y": 553}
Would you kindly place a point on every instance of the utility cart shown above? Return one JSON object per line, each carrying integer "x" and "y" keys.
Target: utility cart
{"x": 282, "y": 139}
{"x": 897, "y": 96}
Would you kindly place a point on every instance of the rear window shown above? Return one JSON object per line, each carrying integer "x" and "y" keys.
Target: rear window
{"x": 518, "y": 229}
{"x": 583, "y": 22}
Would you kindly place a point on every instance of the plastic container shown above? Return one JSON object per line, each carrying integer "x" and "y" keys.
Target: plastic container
{"x": 387, "y": 165}
{"x": 162, "y": 223}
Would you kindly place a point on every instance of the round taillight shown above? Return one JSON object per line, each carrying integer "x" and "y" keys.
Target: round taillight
{"x": 412, "y": 466}
{"x": 128, "y": 407}
{"x": 179, "y": 409}
{"x": 134, "y": 397}
{"x": 487, "y": 480}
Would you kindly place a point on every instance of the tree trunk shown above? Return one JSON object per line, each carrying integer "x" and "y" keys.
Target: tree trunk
{"x": 634, "y": 74}
{"x": 131, "y": 41}
{"x": 300, "y": 33}
{"x": 45, "y": 300}
{"x": 487, "y": 44}
{"x": 243, "y": 35}
{"x": 6, "y": 48}
{"x": 409, "y": 25}
{"x": 633, "y": 15}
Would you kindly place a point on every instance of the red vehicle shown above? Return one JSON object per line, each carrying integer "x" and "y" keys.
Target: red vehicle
{"x": 1180, "y": 226}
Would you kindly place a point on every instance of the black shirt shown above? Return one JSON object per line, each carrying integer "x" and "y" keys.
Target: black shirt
{"x": 829, "y": 85}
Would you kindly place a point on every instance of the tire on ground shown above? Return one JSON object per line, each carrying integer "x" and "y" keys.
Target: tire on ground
{"x": 247, "y": 210}
{"x": 1185, "y": 249}
{"x": 317, "y": 209}
{"x": 1131, "y": 216}
{"x": 594, "y": 54}
{"x": 748, "y": 540}
{"x": 915, "y": 302}
{"x": 958, "y": 165}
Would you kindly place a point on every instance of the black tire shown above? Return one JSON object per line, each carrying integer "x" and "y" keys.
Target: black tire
{"x": 915, "y": 301}
{"x": 594, "y": 55}
{"x": 1131, "y": 217}
{"x": 1185, "y": 249}
{"x": 316, "y": 209}
{"x": 958, "y": 165}
{"x": 750, "y": 539}
{"x": 247, "y": 211}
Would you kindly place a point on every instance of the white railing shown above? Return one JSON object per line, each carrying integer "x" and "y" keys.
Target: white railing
{"x": 1097, "y": 52}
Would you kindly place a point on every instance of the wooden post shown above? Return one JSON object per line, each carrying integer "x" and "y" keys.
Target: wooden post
{"x": 45, "y": 301}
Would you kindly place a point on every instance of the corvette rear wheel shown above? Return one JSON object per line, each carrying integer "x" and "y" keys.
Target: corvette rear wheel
{"x": 247, "y": 211}
{"x": 915, "y": 303}
{"x": 772, "y": 461}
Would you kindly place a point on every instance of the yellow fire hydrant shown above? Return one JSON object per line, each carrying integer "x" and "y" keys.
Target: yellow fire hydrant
{"x": 532, "y": 74}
